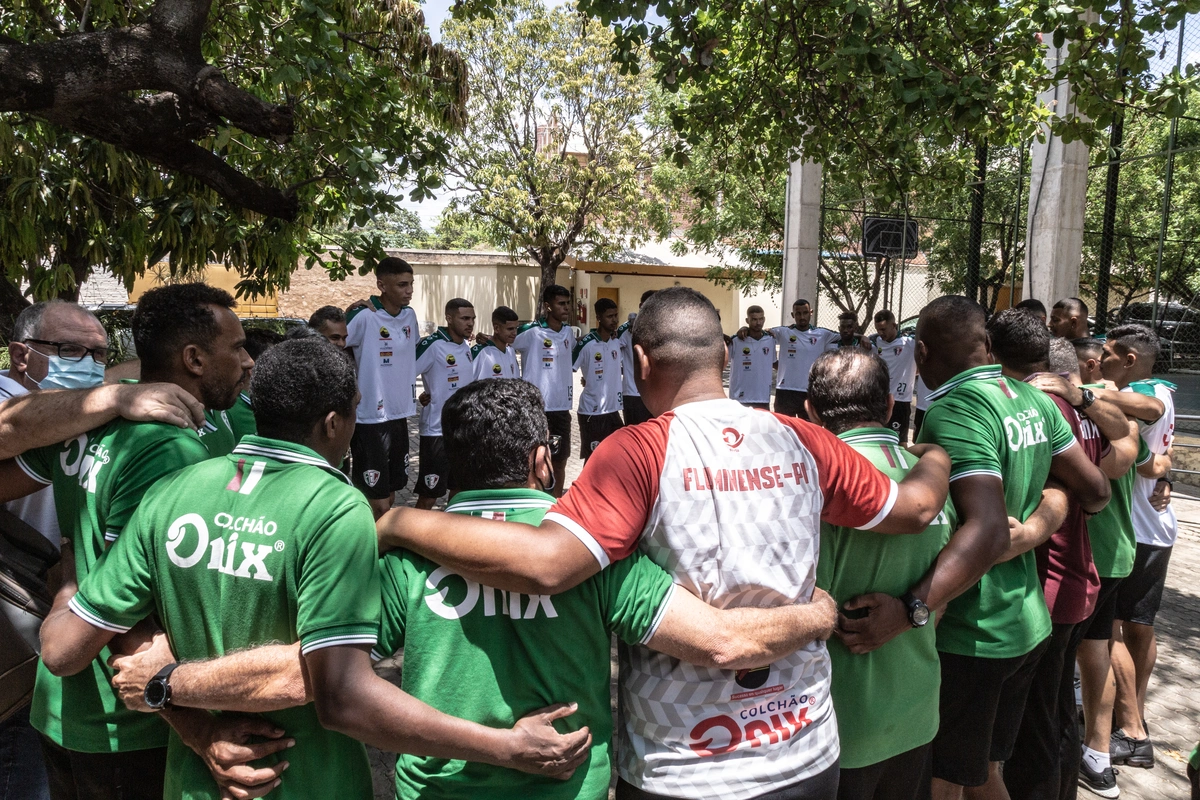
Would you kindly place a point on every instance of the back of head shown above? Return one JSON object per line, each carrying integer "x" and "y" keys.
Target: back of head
{"x": 259, "y": 340}
{"x": 952, "y": 317}
{"x": 302, "y": 332}
{"x": 392, "y": 265}
{"x": 170, "y": 318}
{"x": 679, "y": 329}
{"x": 489, "y": 428}
{"x": 1036, "y": 306}
{"x": 849, "y": 388}
{"x": 326, "y": 314}
{"x": 1139, "y": 339}
{"x": 1020, "y": 341}
{"x": 1063, "y": 358}
{"x": 646, "y": 296}
{"x": 503, "y": 315}
{"x": 297, "y": 383}
{"x": 1088, "y": 347}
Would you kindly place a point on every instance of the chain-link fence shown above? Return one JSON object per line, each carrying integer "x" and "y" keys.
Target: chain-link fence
{"x": 1141, "y": 242}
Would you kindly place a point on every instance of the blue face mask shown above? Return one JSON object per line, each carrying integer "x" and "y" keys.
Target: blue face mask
{"x": 63, "y": 374}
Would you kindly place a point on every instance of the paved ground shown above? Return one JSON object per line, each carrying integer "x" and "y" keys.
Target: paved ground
{"x": 1173, "y": 699}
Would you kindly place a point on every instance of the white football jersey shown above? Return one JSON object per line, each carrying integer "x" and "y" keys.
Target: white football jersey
{"x": 900, "y": 355}
{"x": 492, "y": 362}
{"x": 1157, "y": 529}
{"x": 750, "y": 364}
{"x": 600, "y": 363}
{"x": 797, "y": 351}
{"x": 625, "y": 337}
{"x": 384, "y": 350}
{"x": 546, "y": 362}
{"x": 445, "y": 367}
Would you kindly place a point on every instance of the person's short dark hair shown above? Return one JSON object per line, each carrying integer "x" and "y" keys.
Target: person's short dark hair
{"x": 646, "y": 296}
{"x": 604, "y": 304}
{"x": 848, "y": 388}
{"x": 298, "y": 382}
{"x": 302, "y": 332}
{"x": 326, "y": 314}
{"x": 848, "y": 315}
{"x": 393, "y": 265}
{"x": 489, "y": 429}
{"x": 1019, "y": 340}
{"x": 169, "y": 318}
{"x": 455, "y": 303}
{"x": 1138, "y": 339}
{"x": 1062, "y": 357}
{"x": 1073, "y": 305}
{"x": 680, "y": 329}
{"x": 1087, "y": 347}
{"x": 754, "y": 310}
{"x": 885, "y": 316}
{"x": 554, "y": 290}
{"x": 259, "y": 340}
{"x": 1036, "y": 306}
{"x": 503, "y": 315}
{"x": 801, "y": 302}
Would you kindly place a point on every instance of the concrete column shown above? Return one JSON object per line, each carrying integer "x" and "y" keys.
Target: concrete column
{"x": 1057, "y": 197}
{"x": 801, "y": 236}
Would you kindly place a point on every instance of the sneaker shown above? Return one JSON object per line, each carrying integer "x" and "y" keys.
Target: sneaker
{"x": 1102, "y": 783}
{"x": 1131, "y": 752}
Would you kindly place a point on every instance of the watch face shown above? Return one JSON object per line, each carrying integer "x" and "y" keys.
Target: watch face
{"x": 920, "y": 614}
{"x": 156, "y": 693}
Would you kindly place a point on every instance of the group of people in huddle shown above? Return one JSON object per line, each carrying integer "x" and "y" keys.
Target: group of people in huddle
{"x": 804, "y": 606}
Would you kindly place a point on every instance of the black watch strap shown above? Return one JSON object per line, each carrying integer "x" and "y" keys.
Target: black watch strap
{"x": 157, "y": 693}
{"x": 918, "y": 612}
{"x": 1088, "y": 399}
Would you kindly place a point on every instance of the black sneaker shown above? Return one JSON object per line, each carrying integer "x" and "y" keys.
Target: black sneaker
{"x": 1131, "y": 752}
{"x": 1102, "y": 783}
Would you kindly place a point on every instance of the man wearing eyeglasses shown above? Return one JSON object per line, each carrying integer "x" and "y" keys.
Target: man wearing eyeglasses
{"x": 186, "y": 335}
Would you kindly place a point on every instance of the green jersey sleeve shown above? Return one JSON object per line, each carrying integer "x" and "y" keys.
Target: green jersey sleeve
{"x": 39, "y": 463}
{"x": 969, "y": 434}
{"x": 118, "y": 591}
{"x": 393, "y": 595}
{"x": 635, "y": 592}
{"x": 1143, "y": 454}
{"x": 163, "y": 456}
{"x": 337, "y": 581}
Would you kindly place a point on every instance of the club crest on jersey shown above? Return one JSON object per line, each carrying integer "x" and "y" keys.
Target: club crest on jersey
{"x": 732, "y": 437}
{"x": 497, "y": 369}
{"x": 432, "y": 480}
{"x": 897, "y": 350}
{"x": 812, "y": 340}
{"x": 407, "y": 331}
{"x": 766, "y": 350}
{"x": 384, "y": 333}
{"x": 371, "y": 476}
{"x": 450, "y": 359}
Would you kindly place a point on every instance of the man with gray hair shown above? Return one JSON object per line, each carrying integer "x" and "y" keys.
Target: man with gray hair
{"x": 60, "y": 345}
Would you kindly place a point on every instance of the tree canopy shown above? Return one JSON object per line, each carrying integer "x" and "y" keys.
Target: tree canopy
{"x": 557, "y": 154}
{"x": 211, "y": 130}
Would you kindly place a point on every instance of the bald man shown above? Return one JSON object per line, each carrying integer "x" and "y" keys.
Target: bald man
{"x": 1069, "y": 319}
{"x": 729, "y": 500}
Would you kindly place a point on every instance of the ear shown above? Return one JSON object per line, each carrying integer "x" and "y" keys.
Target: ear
{"x": 812, "y": 412}
{"x": 643, "y": 362}
{"x": 331, "y": 425}
{"x": 18, "y": 356}
{"x": 921, "y": 354}
{"x": 193, "y": 359}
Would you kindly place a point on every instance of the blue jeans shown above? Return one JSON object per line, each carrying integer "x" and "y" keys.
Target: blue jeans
{"x": 22, "y": 772}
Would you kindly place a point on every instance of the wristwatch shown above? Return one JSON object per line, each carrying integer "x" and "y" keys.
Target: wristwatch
{"x": 1088, "y": 398}
{"x": 158, "y": 691}
{"x": 918, "y": 612}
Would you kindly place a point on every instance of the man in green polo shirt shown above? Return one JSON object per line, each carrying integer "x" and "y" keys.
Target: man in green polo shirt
{"x": 886, "y": 700}
{"x": 488, "y": 655}
{"x": 1005, "y": 438}
{"x": 186, "y": 334}
{"x": 273, "y": 544}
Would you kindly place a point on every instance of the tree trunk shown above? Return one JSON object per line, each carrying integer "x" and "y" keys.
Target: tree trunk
{"x": 12, "y": 303}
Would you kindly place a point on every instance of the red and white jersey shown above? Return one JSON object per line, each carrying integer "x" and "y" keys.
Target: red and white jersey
{"x": 750, "y": 364}
{"x": 729, "y": 500}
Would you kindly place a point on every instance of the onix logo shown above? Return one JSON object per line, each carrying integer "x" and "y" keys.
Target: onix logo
{"x": 221, "y": 553}
{"x": 732, "y": 437}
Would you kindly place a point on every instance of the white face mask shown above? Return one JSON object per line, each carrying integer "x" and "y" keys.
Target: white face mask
{"x": 63, "y": 374}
